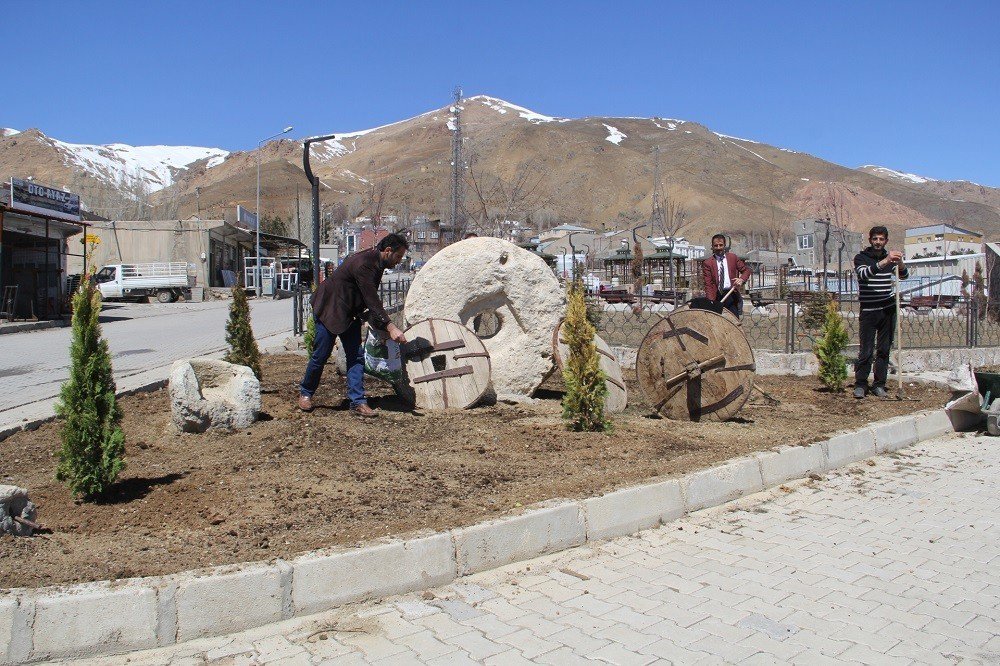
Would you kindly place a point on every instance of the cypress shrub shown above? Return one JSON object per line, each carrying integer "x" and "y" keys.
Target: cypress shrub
{"x": 829, "y": 350}
{"x": 583, "y": 404}
{"x": 239, "y": 334}
{"x": 92, "y": 454}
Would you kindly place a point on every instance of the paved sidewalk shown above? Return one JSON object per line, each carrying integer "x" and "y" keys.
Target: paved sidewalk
{"x": 891, "y": 561}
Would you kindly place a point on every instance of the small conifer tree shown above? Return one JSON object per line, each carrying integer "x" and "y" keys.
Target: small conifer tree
{"x": 239, "y": 334}
{"x": 93, "y": 444}
{"x": 583, "y": 404}
{"x": 829, "y": 349}
{"x": 310, "y": 335}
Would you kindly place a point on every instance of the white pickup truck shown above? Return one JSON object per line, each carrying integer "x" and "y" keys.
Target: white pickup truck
{"x": 166, "y": 281}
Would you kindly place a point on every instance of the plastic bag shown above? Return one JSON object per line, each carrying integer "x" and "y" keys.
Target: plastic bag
{"x": 382, "y": 358}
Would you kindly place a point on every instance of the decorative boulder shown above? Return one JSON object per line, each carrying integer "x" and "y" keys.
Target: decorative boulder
{"x": 206, "y": 394}
{"x": 489, "y": 283}
{"x": 14, "y": 503}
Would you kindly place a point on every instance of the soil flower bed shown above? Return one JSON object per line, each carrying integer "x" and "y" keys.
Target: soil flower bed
{"x": 296, "y": 482}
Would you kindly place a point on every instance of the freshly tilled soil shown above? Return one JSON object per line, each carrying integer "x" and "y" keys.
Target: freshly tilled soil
{"x": 296, "y": 482}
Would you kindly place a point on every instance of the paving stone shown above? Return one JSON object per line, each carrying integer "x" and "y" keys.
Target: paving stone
{"x": 904, "y": 571}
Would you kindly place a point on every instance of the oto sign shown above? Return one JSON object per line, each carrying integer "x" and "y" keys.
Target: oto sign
{"x": 30, "y": 197}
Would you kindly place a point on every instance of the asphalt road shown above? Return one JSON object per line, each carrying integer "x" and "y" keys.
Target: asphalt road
{"x": 142, "y": 338}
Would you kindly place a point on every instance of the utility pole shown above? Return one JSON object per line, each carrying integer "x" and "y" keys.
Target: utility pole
{"x": 456, "y": 161}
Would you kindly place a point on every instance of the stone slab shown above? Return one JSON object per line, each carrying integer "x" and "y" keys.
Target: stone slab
{"x": 499, "y": 542}
{"x": 933, "y": 424}
{"x": 631, "y": 510}
{"x": 849, "y": 447}
{"x": 92, "y": 618}
{"x": 219, "y": 603}
{"x": 895, "y": 434}
{"x": 716, "y": 485}
{"x": 323, "y": 581}
{"x": 791, "y": 462}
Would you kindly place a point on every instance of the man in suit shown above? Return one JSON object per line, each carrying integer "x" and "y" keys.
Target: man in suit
{"x": 340, "y": 304}
{"x": 722, "y": 272}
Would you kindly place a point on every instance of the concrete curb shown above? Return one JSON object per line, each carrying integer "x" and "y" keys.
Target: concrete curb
{"x": 119, "y": 616}
{"x": 24, "y": 327}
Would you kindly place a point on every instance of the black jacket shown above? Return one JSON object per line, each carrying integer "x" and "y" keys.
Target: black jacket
{"x": 350, "y": 292}
{"x": 875, "y": 288}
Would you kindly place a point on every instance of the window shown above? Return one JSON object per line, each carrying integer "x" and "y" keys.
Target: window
{"x": 106, "y": 274}
{"x": 805, "y": 242}
{"x": 421, "y": 235}
{"x": 434, "y": 235}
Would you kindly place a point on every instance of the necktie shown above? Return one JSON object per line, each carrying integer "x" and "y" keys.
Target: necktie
{"x": 722, "y": 273}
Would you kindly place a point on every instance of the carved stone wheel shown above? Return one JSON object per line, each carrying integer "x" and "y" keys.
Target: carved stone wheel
{"x": 617, "y": 397}
{"x": 695, "y": 365}
{"x": 446, "y": 365}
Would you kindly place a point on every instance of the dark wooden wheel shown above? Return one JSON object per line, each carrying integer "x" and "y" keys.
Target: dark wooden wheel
{"x": 695, "y": 365}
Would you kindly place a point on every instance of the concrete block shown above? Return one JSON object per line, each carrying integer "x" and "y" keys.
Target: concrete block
{"x": 496, "y": 543}
{"x": 721, "y": 484}
{"x": 320, "y": 582}
{"x": 166, "y": 616}
{"x": 894, "y": 434}
{"x": 222, "y": 603}
{"x": 849, "y": 447}
{"x": 88, "y": 619}
{"x": 8, "y": 610}
{"x": 791, "y": 462}
{"x": 630, "y": 510}
{"x": 933, "y": 424}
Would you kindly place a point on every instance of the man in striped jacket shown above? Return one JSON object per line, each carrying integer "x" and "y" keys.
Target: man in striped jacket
{"x": 875, "y": 266}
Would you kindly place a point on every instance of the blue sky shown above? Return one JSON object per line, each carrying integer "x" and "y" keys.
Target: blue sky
{"x": 910, "y": 85}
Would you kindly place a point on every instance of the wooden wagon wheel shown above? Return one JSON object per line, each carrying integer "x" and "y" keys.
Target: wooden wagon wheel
{"x": 695, "y": 365}
{"x": 617, "y": 396}
{"x": 445, "y": 365}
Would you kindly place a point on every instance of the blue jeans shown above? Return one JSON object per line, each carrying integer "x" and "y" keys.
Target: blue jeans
{"x": 323, "y": 347}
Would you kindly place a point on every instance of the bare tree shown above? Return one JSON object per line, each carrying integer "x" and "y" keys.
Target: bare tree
{"x": 376, "y": 195}
{"x": 493, "y": 199}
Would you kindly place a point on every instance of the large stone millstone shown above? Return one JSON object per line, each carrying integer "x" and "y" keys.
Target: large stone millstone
{"x": 206, "y": 394}
{"x": 14, "y": 503}
{"x": 695, "y": 365}
{"x": 489, "y": 279}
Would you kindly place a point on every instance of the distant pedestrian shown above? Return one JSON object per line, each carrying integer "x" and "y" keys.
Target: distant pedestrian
{"x": 328, "y": 270}
{"x": 724, "y": 271}
{"x": 874, "y": 266}
{"x": 342, "y": 302}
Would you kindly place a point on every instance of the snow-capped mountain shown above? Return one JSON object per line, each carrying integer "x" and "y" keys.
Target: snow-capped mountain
{"x": 156, "y": 166}
{"x": 116, "y": 164}
{"x": 892, "y": 174}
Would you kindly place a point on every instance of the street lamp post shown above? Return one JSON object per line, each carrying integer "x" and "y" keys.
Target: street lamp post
{"x": 256, "y": 272}
{"x": 314, "y": 184}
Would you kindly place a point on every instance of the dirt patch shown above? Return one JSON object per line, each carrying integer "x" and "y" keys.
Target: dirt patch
{"x": 297, "y": 482}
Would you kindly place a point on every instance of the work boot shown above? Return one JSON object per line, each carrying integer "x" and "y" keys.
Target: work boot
{"x": 364, "y": 410}
{"x": 879, "y": 392}
{"x": 859, "y": 392}
{"x": 305, "y": 403}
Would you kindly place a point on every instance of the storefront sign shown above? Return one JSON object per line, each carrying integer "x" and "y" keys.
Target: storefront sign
{"x": 31, "y": 197}
{"x": 245, "y": 218}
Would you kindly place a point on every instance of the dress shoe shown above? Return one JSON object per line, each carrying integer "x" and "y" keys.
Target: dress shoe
{"x": 305, "y": 403}
{"x": 364, "y": 410}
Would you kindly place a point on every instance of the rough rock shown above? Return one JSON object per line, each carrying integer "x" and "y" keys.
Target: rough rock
{"x": 209, "y": 394}
{"x": 482, "y": 275}
{"x": 14, "y": 502}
